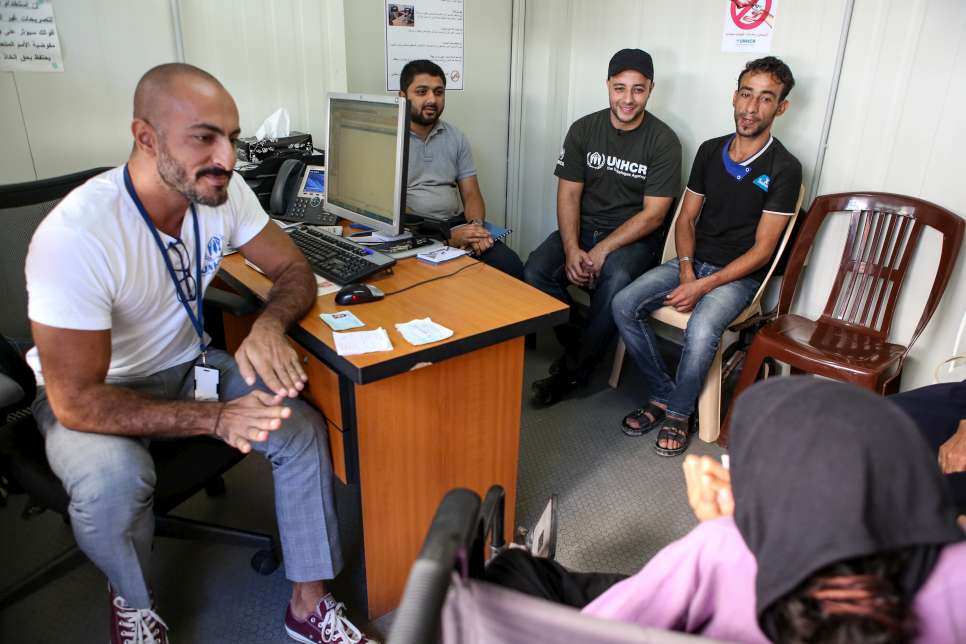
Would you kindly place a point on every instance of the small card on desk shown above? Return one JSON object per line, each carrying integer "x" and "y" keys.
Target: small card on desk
{"x": 341, "y": 320}
{"x": 441, "y": 255}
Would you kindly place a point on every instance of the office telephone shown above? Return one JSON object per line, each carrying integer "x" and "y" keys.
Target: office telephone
{"x": 299, "y": 194}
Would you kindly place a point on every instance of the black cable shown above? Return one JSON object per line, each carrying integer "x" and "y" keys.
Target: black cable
{"x": 433, "y": 279}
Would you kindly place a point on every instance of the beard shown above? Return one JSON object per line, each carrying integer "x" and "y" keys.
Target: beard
{"x": 756, "y": 129}
{"x": 416, "y": 116}
{"x": 615, "y": 110}
{"x": 175, "y": 176}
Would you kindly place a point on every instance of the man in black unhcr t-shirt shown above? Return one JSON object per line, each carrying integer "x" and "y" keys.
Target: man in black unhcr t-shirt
{"x": 745, "y": 187}
{"x": 618, "y": 173}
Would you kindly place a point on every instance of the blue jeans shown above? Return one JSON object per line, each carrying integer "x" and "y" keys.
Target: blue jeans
{"x": 709, "y": 320}
{"x": 546, "y": 270}
{"x": 110, "y": 480}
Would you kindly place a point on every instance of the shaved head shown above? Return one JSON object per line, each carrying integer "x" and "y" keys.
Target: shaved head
{"x": 168, "y": 82}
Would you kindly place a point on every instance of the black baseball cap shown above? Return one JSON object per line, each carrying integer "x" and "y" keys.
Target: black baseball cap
{"x": 636, "y": 59}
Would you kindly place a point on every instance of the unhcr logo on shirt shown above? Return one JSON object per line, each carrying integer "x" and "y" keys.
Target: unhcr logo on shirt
{"x": 212, "y": 255}
{"x": 623, "y": 167}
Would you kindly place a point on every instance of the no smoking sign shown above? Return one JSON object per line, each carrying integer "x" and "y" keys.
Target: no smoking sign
{"x": 748, "y": 25}
{"x": 748, "y": 14}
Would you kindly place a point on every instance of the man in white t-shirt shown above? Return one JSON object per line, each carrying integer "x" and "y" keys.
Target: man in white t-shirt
{"x": 115, "y": 276}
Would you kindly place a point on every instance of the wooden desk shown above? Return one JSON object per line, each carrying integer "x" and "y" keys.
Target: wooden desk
{"x": 408, "y": 425}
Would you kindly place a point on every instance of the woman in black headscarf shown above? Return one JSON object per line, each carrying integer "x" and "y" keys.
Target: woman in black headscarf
{"x": 842, "y": 504}
{"x": 842, "y": 531}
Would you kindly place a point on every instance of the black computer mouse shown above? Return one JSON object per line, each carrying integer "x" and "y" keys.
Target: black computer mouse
{"x": 358, "y": 293}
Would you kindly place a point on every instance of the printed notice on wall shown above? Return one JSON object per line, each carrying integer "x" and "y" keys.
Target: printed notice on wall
{"x": 748, "y": 25}
{"x": 431, "y": 29}
{"x": 28, "y": 37}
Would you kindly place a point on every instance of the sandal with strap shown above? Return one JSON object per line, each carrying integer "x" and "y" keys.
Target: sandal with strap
{"x": 676, "y": 430}
{"x": 641, "y": 415}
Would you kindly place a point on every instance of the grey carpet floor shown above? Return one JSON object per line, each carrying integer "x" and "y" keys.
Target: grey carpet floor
{"x": 619, "y": 504}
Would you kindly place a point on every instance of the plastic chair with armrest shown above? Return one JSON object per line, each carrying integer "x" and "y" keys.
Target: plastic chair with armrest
{"x": 849, "y": 341}
{"x": 184, "y": 467}
{"x": 709, "y": 401}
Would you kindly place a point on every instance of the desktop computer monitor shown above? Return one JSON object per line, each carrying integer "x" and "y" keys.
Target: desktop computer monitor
{"x": 366, "y": 158}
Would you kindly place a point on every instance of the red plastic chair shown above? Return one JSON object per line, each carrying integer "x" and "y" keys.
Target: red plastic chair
{"x": 849, "y": 342}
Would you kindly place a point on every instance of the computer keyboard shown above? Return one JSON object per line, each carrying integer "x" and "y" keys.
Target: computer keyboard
{"x": 337, "y": 259}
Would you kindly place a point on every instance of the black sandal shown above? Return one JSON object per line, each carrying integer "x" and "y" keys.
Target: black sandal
{"x": 640, "y": 415}
{"x": 678, "y": 430}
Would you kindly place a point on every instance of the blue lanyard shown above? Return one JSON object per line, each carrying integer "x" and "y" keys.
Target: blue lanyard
{"x": 197, "y": 321}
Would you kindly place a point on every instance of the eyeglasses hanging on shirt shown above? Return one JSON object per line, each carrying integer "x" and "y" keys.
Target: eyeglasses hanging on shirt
{"x": 181, "y": 261}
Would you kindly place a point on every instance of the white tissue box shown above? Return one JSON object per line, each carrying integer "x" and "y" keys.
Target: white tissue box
{"x": 257, "y": 150}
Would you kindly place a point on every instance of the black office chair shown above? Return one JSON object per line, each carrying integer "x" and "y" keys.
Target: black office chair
{"x": 184, "y": 467}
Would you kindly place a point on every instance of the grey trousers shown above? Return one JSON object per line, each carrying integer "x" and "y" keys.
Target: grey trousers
{"x": 111, "y": 479}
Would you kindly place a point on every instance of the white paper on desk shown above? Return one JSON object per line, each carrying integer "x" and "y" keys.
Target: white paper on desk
{"x": 379, "y": 238}
{"x": 285, "y": 225}
{"x": 324, "y": 286}
{"x": 356, "y": 342}
{"x": 388, "y": 237}
{"x": 423, "y": 331}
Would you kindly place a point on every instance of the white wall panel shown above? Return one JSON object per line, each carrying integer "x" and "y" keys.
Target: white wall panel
{"x": 545, "y": 116}
{"x": 898, "y": 127}
{"x": 15, "y": 162}
{"x": 80, "y": 118}
{"x": 270, "y": 54}
{"x": 567, "y": 46}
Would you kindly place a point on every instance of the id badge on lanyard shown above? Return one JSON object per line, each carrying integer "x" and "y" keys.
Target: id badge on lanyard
{"x": 206, "y": 378}
{"x": 206, "y": 382}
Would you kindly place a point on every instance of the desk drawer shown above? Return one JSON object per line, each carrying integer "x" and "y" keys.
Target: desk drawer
{"x": 323, "y": 392}
{"x": 323, "y": 386}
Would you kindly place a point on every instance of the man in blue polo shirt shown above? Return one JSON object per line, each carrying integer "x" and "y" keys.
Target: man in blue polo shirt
{"x": 443, "y": 190}
{"x": 744, "y": 186}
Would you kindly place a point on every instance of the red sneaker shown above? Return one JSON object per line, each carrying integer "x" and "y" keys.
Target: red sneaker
{"x": 135, "y": 625}
{"x": 327, "y": 624}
